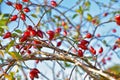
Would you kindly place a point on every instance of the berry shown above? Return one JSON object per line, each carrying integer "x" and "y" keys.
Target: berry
{"x": 88, "y": 35}
{"x": 92, "y": 50}
{"x": 53, "y": 3}
{"x": 105, "y": 14}
{"x": 25, "y": 0}
{"x": 101, "y": 50}
{"x": 65, "y": 33}
{"x": 29, "y": 52}
{"x": 29, "y": 28}
{"x": 40, "y": 33}
{"x": 17, "y": 46}
{"x": 18, "y": 6}
{"x": 115, "y": 47}
{"x": 33, "y": 33}
{"x": 51, "y": 34}
{"x": 34, "y": 73}
{"x": 84, "y": 47}
{"x": 36, "y": 42}
{"x": 109, "y": 58}
{"x": 23, "y": 17}
{"x": 37, "y": 61}
{"x": 9, "y": 3}
{"x": 59, "y": 43}
{"x": 114, "y": 30}
{"x": 80, "y": 53}
{"x": 84, "y": 42}
{"x": 58, "y": 30}
{"x": 7, "y": 35}
{"x": 26, "y": 34}
{"x": 103, "y": 61}
{"x": 94, "y": 21}
{"x": 98, "y": 35}
{"x": 64, "y": 23}
{"x": 26, "y": 9}
{"x": 13, "y": 18}
{"x": 117, "y": 19}
{"x": 23, "y": 38}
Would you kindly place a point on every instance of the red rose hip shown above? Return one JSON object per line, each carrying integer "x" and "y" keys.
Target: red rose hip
{"x": 7, "y": 35}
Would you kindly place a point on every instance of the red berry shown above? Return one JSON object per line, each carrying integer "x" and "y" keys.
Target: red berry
{"x": 23, "y": 38}
{"x": 29, "y": 52}
{"x": 25, "y": 0}
{"x": 37, "y": 61}
{"x": 98, "y": 35}
{"x": 105, "y": 14}
{"x": 117, "y": 19}
{"x": 13, "y": 18}
{"x": 36, "y": 42}
{"x": 9, "y": 3}
{"x": 58, "y": 30}
{"x": 64, "y": 23}
{"x": 88, "y": 35}
{"x": 92, "y": 50}
{"x": 17, "y": 46}
{"x": 29, "y": 28}
{"x": 36, "y": 70}
{"x": 65, "y": 33}
{"x": 34, "y": 73}
{"x": 84, "y": 42}
{"x": 23, "y": 17}
{"x": 94, "y": 21}
{"x": 84, "y": 47}
{"x": 33, "y": 33}
{"x": 53, "y": 3}
{"x": 7, "y": 35}
{"x": 22, "y": 52}
{"x": 109, "y": 58}
{"x": 26, "y": 9}
{"x": 101, "y": 50}
{"x": 114, "y": 47}
{"x": 103, "y": 61}
{"x": 59, "y": 43}
{"x": 51, "y": 34}
{"x": 114, "y": 30}
{"x": 80, "y": 53}
{"x": 26, "y": 34}
{"x": 40, "y": 33}
{"x": 18, "y": 6}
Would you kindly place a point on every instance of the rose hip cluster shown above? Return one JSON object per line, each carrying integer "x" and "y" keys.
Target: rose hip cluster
{"x": 19, "y": 7}
{"x": 30, "y": 32}
{"x": 83, "y": 45}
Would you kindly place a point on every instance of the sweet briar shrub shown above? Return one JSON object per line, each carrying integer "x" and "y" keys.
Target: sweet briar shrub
{"x": 59, "y": 35}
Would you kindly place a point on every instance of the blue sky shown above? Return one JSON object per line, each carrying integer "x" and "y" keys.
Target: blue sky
{"x": 94, "y": 10}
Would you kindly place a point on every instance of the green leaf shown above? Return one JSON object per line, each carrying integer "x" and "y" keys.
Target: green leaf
{"x": 80, "y": 10}
{"x": 18, "y": 31}
{"x": 14, "y": 35}
{"x": 58, "y": 17}
{"x": 74, "y": 16}
{"x": 34, "y": 15}
{"x": 4, "y": 27}
{"x": 10, "y": 45}
{"x": 1, "y": 31}
{"x": 1, "y": 1}
{"x": 89, "y": 17}
{"x": 87, "y": 3}
{"x": 3, "y": 24}
{"x": 15, "y": 55}
{"x": 67, "y": 65}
